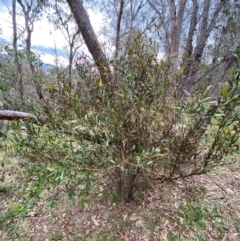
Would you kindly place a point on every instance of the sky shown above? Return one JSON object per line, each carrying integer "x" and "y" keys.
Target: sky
{"x": 44, "y": 34}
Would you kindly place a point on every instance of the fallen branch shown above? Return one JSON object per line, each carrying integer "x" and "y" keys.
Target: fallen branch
{"x": 16, "y": 115}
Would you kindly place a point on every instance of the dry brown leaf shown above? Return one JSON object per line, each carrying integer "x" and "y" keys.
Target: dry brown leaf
{"x": 70, "y": 229}
{"x": 133, "y": 217}
{"x": 139, "y": 223}
{"x": 32, "y": 214}
{"x": 96, "y": 220}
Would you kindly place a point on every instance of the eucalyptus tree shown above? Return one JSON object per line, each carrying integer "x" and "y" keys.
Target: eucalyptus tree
{"x": 227, "y": 39}
{"x": 63, "y": 20}
{"x": 19, "y": 72}
{"x": 82, "y": 19}
{"x": 122, "y": 17}
{"x": 172, "y": 24}
{"x": 186, "y": 29}
{"x": 118, "y": 28}
{"x": 129, "y": 17}
{"x": 32, "y": 10}
{"x": 191, "y": 26}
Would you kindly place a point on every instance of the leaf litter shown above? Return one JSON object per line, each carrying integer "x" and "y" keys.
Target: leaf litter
{"x": 154, "y": 216}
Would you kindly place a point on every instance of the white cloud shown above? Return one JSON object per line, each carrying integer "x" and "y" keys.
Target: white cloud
{"x": 45, "y": 35}
{"x": 6, "y": 26}
{"x": 96, "y": 19}
{"x": 53, "y": 60}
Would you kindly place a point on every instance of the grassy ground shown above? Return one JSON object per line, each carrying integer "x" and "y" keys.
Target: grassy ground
{"x": 205, "y": 207}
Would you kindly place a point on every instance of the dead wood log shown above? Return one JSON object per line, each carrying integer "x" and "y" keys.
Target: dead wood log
{"x": 16, "y": 115}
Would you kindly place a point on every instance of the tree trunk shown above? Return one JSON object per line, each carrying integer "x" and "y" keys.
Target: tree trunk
{"x": 72, "y": 52}
{"x": 176, "y": 20}
{"x": 17, "y": 60}
{"x": 206, "y": 27}
{"x": 63, "y": 21}
{"x": 186, "y": 65}
{"x": 70, "y": 62}
{"x": 90, "y": 38}
{"x": 164, "y": 26}
{"x": 118, "y": 28}
{"x": 29, "y": 29}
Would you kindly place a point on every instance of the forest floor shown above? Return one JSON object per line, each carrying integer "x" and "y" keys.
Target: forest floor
{"x": 205, "y": 207}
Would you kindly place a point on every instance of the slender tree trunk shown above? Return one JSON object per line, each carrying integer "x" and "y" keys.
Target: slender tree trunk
{"x": 29, "y": 29}
{"x": 186, "y": 65}
{"x": 72, "y": 52}
{"x": 117, "y": 41}
{"x": 34, "y": 74}
{"x": 63, "y": 21}
{"x": 173, "y": 36}
{"x": 17, "y": 60}
{"x": 90, "y": 38}
{"x": 176, "y": 21}
{"x": 206, "y": 27}
{"x": 164, "y": 25}
{"x": 70, "y": 61}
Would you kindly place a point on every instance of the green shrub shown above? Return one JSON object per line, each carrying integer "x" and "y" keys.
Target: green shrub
{"x": 131, "y": 132}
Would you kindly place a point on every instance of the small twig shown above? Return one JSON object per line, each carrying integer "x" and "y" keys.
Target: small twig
{"x": 225, "y": 237}
{"x": 220, "y": 186}
{"x": 168, "y": 209}
{"x": 213, "y": 67}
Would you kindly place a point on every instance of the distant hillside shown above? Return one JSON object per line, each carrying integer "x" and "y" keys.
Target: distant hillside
{"x": 49, "y": 50}
{"x": 46, "y": 54}
{"x": 43, "y": 49}
{"x": 4, "y": 41}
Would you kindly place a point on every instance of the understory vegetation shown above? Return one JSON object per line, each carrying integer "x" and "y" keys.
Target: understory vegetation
{"x": 122, "y": 145}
